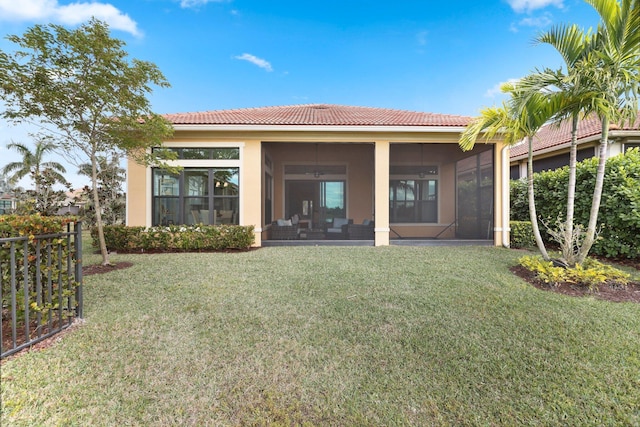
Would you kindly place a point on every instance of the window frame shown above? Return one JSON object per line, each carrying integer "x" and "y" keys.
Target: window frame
{"x": 210, "y": 198}
{"x": 180, "y": 216}
{"x": 421, "y": 180}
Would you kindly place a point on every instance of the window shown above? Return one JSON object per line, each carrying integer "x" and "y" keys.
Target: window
{"x": 413, "y": 194}
{"x": 204, "y": 153}
{"x": 196, "y": 195}
{"x": 629, "y": 145}
{"x": 5, "y": 207}
{"x": 560, "y": 160}
{"x": 413, "y": 201}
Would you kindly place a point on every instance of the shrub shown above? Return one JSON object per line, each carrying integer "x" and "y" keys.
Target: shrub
{"x": 521, "y": 234}
{"x": 176, "y": 238}
{"x": 30, "y": 225}
{"x": 619, "y": 217}
{"x": 591, "y": 273}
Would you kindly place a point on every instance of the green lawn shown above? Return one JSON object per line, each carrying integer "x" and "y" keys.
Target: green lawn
{"x": 331, "y": 336}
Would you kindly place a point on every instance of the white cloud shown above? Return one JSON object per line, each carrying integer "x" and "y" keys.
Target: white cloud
{"x": 532, "y": 21}
{"x": 530, "y": 5}
{"x": 196, "y": 3}
{"x": 255, "y": 60}
{"x": 495, "y": 90}
{"x": 71, "y": 14}
{"x": 539, "y": 22}
{"x": 421, "y": 37}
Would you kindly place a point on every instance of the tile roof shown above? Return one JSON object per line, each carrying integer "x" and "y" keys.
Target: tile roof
{"x": 317, "y": 114}
{"x": 552, "y": 135}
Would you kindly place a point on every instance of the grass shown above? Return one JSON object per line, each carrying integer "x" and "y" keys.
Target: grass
{"x": 331, "y": 336}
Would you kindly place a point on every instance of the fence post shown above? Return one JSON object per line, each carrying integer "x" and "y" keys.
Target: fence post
{"x": 78, "y": 249}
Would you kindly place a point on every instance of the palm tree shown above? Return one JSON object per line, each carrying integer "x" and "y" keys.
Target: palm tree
{"x": 602, "y": 73}
{"x": 613, "y": 73}
{"x": 33, "y": 164}
{"x": 574, "y": 101}
{"x": 514, "y": 122}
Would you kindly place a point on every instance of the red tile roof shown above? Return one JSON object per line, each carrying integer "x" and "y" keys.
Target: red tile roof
{"x": 552, "y": 135}
{"x": 317, "y": 114}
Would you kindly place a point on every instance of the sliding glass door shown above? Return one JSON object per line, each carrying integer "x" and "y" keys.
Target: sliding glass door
{"x": 315, "y": 201}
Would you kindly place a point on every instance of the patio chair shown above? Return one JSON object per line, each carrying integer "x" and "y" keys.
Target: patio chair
{"x": 337, "y": 229}
{"x": 283, "y": 230}
{"x": 364, "y": 231}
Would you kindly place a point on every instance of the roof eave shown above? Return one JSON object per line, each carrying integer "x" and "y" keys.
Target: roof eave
{"x": 588, "y": 139}
{"x": 317, "y": 128}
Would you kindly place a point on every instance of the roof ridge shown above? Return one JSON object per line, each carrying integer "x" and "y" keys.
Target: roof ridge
{"x": 316, "y": 104}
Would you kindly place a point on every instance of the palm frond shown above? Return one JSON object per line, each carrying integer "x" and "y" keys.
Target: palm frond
{"x": 491, "y": 122}
{"x": 570, "y": 42}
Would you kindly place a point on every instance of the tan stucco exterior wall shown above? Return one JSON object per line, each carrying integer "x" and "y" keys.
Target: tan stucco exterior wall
{"x": 367, "y": 156}
{"x": 250, "y": 188}
{"x": 137, "y": 198}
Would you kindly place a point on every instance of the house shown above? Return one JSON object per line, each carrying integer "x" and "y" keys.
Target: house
{"x": 7, "y": 198}
{"x": 325, "y": 166}
{"x": 73, "y": 202}
{"x": 552, "y": 143}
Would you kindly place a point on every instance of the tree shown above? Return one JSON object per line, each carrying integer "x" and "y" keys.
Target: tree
{"x": 574, "y": 45}
{"x": 612, "y": 71}
{"x": 47, "y": 200}
{"x": 602, "y": 77}
{"x": 88, "y": 98}
{"x": 602, "y": 73}
{"x": 111, "y": 176}
{"x": 514, "y": 121}
{"x": 44, "y": 174}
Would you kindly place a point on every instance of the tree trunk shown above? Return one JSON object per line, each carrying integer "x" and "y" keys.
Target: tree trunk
{"x": 532, "y": 203}
{"x": 597, "y": 195}
{"x": 569, "y": 249}
{"x": 36, "y": 179}
{"x": 98, "y": 208}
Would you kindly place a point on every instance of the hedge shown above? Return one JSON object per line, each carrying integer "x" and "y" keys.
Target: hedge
{"x": 175, "y": 238}
{"x": 619, "y": 216}
{"x": 31, "y": 225}
{"x": 521, "y": 234}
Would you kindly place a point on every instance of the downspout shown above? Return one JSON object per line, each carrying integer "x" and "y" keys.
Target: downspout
{"x": 506, "y": 228}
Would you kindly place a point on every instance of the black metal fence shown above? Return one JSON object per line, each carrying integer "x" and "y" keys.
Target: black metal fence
{"x": 41, "y": 288}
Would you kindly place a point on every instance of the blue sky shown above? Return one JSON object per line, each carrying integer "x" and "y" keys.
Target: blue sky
{"x": 443, "y": 57}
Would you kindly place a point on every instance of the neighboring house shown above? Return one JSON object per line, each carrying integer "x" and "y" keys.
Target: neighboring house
{"x": 7, "y": 203}
{"x": 7, "y": 199}
{"x": 551, "y": 144}
{"x": 400, "y": 170}
{"x": 73, "y": 202}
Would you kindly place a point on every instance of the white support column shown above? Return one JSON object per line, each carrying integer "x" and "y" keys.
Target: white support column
{"x": 501, "y": 195}
{"x": 382, "y": 151}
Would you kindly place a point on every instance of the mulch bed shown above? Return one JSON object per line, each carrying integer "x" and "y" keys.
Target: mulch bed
{"x": 47, "y": 342}
{"x": 629, "y": 293}
{"x": 88, "y": 270}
